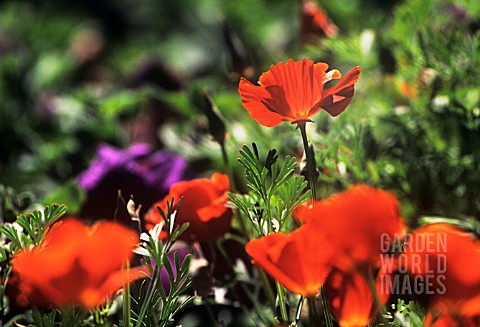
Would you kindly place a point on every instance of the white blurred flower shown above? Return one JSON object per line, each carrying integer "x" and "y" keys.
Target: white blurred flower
{"x": 153, "y": 233}
{"x": 172, "y": 221}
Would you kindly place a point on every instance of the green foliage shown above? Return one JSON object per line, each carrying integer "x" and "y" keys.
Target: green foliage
{"x": 57, "y": 107}
{"x": 71, "y": 194}
{"x": 155, "y": 308}
{"x": 124, "y": 103}
{"x": 25, "y": 232}
{"x": 274, "y": 190}
{"x": 408, "y": 313}
{"x": 424, "y": 145}
{"x": 32, "y": 226}
{"x": 13, "y": 203}
{"x": 150, "y": 307}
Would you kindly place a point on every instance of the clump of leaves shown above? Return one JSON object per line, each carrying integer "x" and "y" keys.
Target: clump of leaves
{"x": 274, "y": 190}
{"x": 13, "y": 203}
{"x": 146, "y": 305}
{"x": 406, "y": 314}
{"x": 151, "y": 305}
{"x": 27, "y": 231}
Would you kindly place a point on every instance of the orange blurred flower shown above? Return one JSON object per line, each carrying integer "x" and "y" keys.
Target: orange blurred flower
{"x": 432, "y": 320}
{"x": 351, "y": 299}
{"x": 203, "y": 206}
{"x": 359, "y": 223}
{"x": 315, "y": 22}
{"x": 76, "y": 264}
{"x": 299, "y": 260}
{"x": 451, "y": 256}
{"x": 345, "y": 232}
{"x": 408, "y": 90}
{"x": 293, "y": 92}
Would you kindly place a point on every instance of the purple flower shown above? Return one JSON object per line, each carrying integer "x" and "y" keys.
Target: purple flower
{"x": 135, "y": 171}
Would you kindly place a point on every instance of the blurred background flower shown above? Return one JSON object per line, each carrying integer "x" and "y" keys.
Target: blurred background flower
{"x": 136, "y": 171}
{"x": 75, "y": 265}
{"x": 203, "y": 206}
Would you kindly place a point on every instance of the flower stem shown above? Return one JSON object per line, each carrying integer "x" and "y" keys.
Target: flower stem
{"x": 326, "y": 311}
{"x": 268, "y": 289}
{"x": 376, "y": 299}
{"x": 281, "y": 300}
{"x": 313, "y": 317}
{"x": 312, "y": 181}
{"x": 299, "y": 310}
{"x": 309, "y": 154}
{"x": 126, "y": 308}
{"x": 252, "y": 298}
{"x": 148, "y": 296}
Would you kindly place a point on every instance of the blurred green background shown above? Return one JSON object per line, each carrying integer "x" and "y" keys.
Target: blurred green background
{"x": 74, "y": 75}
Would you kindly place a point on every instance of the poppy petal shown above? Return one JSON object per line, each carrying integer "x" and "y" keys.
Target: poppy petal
{"x": 91, "y": 297}
{"x": 333, "y": 74}
{"x": 298, "y": 260}
{"x": 98, "y": 258}
{"x": 452, "y": 256}
{"x": 257, "y": 100}
{"x": 338, "y": 97}
{"x": 293, "y": 92}
{"x": 351, "y": 299}
{"x": 300, "y": 86}
{"x": 95, "y": 255}
{"x": 355, "y": 220}
{"x": 221, "y": 182}
{"x": 203, "y": 206}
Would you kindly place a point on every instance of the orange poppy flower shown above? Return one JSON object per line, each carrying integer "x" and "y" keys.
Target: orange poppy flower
{"x": 203, "y": 206}
{"x": 294, "y": 92}
{"x": 299, "y": 260}
{"x": 351, "y": 299}
{"x": 450, "y": 321}
{"x": 359, "y": 222}
{"x": 315, "y": 22}
{"x": 76, "y": 264}
{"x": 451, "y": 258}
{"x": 407, "y": 90}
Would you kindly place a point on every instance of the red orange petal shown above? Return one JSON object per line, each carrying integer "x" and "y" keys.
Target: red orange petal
{"x": 355, "y": 220}
{"x": 351, "y": 299}
{"x": 99, "y": 258}
{"x": 298, "y": 260}
{"x": 298, "y": 83}
{"x": 258, "y": 103}
{"x": 221, "y": 182}
{"x": 338, "y": 97}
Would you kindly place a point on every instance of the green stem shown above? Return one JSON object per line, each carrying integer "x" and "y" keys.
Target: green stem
{"x": 326, "y": 311}
{"x": 269, "y": 216}
{"x": 309, "y": 154}
{"x": 267, "y": 288}
{"x": 208, "y": 307}
{"x": 126, "y": 300}
{"x": 312, "y": 181}
{"x": 299, "y": 310}
{"x": 313, "y": 317}
{"x": 242, "y": 285}
{"x": 37, "y": 318}
{"x": 376, "y": 298}
{"x": 149, "y": 295}
{"x": 281, "y": 300}
{"x": 68, "y": 317}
